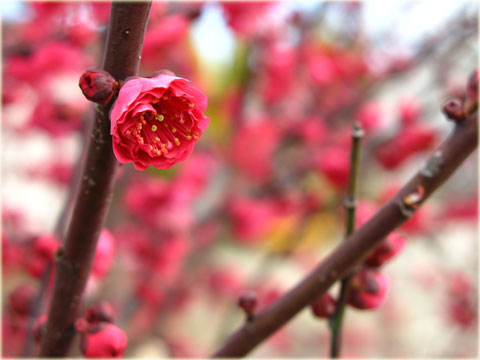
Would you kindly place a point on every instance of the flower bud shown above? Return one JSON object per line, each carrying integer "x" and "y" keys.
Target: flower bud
{"x": 20, "y": 300}
{"x": 324, "y": 306}
{"x": 98, "y": 86}
{"x": 391, "y": 246}
{"x": 368, "y": 289}
{"x": 453, "y": 109}
{"x": 102, "y": 311}
{"x": 104, "y": 341}
{"x": 45, "y": 246}
{"x": 248, "y": 302}
{"x": 40, "y": 327}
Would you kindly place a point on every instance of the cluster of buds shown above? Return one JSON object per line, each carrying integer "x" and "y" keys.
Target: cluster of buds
{"x": 100, "y": 337}
{"x": 368, "y": 286}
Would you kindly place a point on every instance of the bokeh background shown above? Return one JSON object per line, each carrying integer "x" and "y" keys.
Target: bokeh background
{"x": 259, "y": 202}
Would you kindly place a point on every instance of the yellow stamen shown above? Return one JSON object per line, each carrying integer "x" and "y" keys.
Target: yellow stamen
{"x": 154, "y": 127}
{"x": 160, "y": 117}
{"x": 177, "y": 141}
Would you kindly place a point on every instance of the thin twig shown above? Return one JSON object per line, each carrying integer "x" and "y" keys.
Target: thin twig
{"x": 336, "y": 320}
{"x": 122, "y": 59}
{"x": 448, "y": 157}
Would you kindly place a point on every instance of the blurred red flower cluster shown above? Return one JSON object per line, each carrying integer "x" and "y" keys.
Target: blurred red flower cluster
{"x": 253, "y": 207}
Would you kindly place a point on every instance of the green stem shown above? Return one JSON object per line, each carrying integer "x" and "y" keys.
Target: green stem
{"x": 336, "y": 320}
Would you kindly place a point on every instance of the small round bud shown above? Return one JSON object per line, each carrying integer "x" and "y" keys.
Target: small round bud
{"x": 40, "y": 327}
{"x": 20, "y": 300}
{"x": 453, "y": 110}
{"x": 98, "y": 86}
{"x": 324, "y": 306}
{"x": 45, "y": 246}
{"x": 248, "y": 303}
{"x": 102, "y": 311}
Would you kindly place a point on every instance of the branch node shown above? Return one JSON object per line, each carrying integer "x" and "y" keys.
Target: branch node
{"x": 357, "y": 131}
{"x": 349, "y": 203}
{"x": 412, "y": 201}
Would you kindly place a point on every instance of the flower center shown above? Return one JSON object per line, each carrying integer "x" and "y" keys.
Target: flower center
{"x": 169, "y": 126}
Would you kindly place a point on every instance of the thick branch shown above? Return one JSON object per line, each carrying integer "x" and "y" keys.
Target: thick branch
{"x": 448, "y": 157}
{"x": 121, "y": 59}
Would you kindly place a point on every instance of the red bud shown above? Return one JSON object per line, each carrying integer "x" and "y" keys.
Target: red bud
{"x": 453, "y": 109}
{"x": 368, "y": 289}
{"x": 20, "y": 300}
{"x": 107, "y": 341}
{"x": 102, "y": 311}
{"x": 324, "y": 306}
{"x": 98, "y": 86}
{"x": 248, "y": 302}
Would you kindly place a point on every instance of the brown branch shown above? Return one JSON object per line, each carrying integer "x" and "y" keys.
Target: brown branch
{"x": 121, "y": 59}
{"x": 448, "y": 157}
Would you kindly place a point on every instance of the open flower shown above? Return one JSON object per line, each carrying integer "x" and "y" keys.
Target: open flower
{"x": 156, "y": 121}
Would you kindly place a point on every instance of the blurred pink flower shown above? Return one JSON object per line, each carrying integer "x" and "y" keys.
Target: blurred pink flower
{"x": 161, "y": 36}
{"x": 462, "y": 300}
{"x": 250, "y": 218}
{"x": 253, "y": 147}
{"x": 408, "y": 141}
{"x": 369, "y": 116}
{"x": 56, "y": 119}
{"x": 104, "y": 255}
{"x": 225, "y": 282}
{"x": 50, "y": 58}
{"x": 168, "y": 258}
{"x": 160, "y": 204}
{"x": 156, "y": 121}
{"x": 311, "y": 130}
{"x": 334, "y": 163}
{"x": 409, "y": 110}
{"x": 278, "y": 73}
{"x": 246, "y": 18}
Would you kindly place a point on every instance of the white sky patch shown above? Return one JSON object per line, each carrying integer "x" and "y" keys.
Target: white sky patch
{"x": 212, "y": 36}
